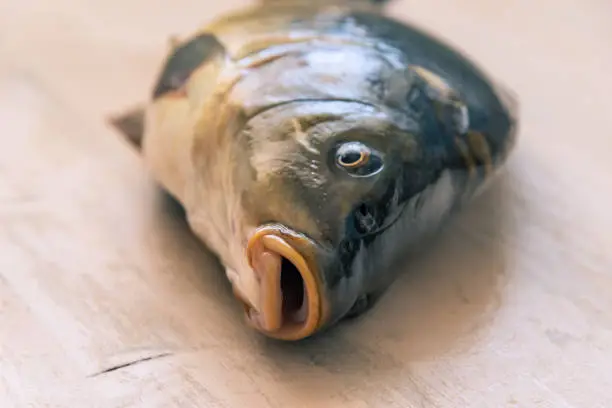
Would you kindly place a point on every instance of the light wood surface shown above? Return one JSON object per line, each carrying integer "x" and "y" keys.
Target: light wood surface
{"x": 106, "y": 299}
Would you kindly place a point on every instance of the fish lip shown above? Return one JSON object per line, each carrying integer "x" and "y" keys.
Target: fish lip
{"x": 271, "y": 244}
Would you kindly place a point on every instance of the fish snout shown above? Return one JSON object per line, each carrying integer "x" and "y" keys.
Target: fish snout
{"x": 292, "y": 296}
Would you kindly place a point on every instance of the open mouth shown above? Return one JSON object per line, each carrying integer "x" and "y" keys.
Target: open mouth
{"x": 293, "y": 291}
{"x": 290, "y": 302}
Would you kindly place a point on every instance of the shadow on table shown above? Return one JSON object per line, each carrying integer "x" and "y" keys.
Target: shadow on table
{"x": 442, "y": 303}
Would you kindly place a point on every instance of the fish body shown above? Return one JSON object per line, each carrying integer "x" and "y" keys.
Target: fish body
{"x": 312, "y": 144}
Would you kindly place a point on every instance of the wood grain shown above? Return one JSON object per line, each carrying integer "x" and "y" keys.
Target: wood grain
{"x": 107, "y": 300}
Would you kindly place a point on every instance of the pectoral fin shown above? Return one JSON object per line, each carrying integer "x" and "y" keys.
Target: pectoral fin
{"x": 130, "y": 124}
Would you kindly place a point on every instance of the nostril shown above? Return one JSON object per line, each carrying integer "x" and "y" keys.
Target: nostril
{"x": 293, "y": 293}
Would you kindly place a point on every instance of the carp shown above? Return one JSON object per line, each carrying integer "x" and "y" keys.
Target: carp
{"x": 314, "y": 143}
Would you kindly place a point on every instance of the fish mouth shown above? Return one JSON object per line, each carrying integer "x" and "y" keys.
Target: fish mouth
{"x": 292, "y": 304}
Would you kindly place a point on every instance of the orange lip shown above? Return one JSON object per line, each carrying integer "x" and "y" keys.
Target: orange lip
{"x": 291, "y": 306}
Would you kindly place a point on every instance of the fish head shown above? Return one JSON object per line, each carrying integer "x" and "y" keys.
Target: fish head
{"x": 331, "y": 191}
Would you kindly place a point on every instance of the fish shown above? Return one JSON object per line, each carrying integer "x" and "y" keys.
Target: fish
{"x": 312, "y": 144}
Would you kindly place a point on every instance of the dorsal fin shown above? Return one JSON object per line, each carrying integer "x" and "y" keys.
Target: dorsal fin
{"x": 185, "y": 58}
{"x": 322, "y": 2}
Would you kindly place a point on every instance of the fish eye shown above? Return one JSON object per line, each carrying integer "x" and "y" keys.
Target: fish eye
{"x": 353, "y": 155}
{"x": 358, "y": 159}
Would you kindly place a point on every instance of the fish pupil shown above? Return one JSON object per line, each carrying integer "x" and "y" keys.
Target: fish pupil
{"x": 366, "y": 219}
{"x": 352, "y": 154}
{"x": 351, "y": 157}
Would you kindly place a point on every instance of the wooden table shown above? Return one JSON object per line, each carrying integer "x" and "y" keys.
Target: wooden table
{"x": 107, "y": 300}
